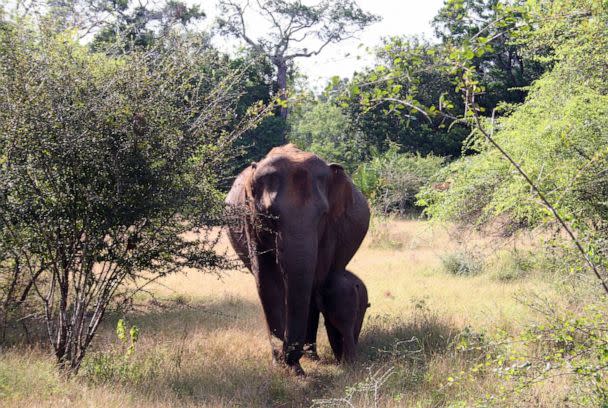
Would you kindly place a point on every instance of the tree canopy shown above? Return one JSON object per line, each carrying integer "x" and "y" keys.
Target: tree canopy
{"x": 558, "y": 135}
{"x": 296, "y": 30}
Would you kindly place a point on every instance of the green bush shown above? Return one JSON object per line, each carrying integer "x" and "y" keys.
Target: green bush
{"x": 391, "y": 180}
{"x": 558, "y": 136}
{"x": 106, "y": 162}
{"x": 119, "y": 364}
{"x": 463, "y": 263}
{"x": 566, "y": 344}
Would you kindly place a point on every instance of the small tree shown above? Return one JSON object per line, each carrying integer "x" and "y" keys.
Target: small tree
{"x": 391, "y": 180}
{"x": 105, "y": 164}
{"x": 296, "y": 30}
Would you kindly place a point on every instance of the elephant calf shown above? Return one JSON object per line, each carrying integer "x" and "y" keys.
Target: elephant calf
{"x": 343, "y": 303}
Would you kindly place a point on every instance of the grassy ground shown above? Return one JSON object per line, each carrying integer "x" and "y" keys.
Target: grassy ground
{"x": 202, "y": 339}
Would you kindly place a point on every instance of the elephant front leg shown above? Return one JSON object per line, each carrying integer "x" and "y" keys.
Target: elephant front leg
{"x": 298, "y": 293}
{"x": 335, "y": 339}
{"x": 272, "y": 296}
{"x": 310, "y": 345}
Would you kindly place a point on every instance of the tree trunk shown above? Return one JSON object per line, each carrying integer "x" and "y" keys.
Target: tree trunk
{"x": 281, "y": 65}
{"x": 282, "y": 83}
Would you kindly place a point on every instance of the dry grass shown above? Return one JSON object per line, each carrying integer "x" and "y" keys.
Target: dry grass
{"x": 203, "y": 341}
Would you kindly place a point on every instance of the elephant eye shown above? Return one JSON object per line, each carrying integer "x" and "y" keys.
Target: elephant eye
{"x": 322, "y": 179}
{"x": 269, "y": 181}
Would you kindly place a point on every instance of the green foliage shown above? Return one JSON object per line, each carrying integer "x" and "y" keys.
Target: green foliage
{"x": 317, "y": 122}
{"x": 126, "y": 25}
{"x": 547, "y": 157}
{"x": 120, "y": 364}
{"x": 558, "y": 136}
{"x": 388, "y": 103}
{"x": 324, "y": 129}
{"x": 291, "y": 23}
{"x": 391, "y": 180}
{"x": 409, "y": 97}
{"x": 257, "y": 87}
{"x": 485, "y": 31}
{"x": 571, "y": 344}
{"x": 105, "y": 164}
{"x": 472, "y": 181}
{"x": 131, "y": 339}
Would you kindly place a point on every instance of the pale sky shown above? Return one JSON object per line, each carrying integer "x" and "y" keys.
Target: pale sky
{"x": 399, "y": 17}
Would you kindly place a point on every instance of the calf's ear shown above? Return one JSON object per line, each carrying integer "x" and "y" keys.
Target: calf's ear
{"x": 340, "y": 192}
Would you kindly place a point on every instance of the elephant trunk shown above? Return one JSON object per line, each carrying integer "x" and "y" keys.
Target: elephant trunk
{"x": 298, "y": 259}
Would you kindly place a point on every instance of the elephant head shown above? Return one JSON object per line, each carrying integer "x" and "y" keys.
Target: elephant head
{"x": 297, "y": 189}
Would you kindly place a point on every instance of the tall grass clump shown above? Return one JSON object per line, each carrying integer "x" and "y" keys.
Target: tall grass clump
{"x": 512, "y": 265}
{"x": 463, "y": 263}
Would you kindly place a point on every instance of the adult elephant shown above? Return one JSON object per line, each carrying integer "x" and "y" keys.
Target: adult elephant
{"x": 304, "y": 220}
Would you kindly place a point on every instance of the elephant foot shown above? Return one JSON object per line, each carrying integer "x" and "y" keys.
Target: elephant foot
{"x": 297, "y": 370}
{"x": 312, "y": 356}
{"x": 278, "y": 359}
{"x": 292, "y": 353}
{"x": 310, "y": 352}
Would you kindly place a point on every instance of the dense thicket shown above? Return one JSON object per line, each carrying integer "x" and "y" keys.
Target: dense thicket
{"x": 409, "y": 97}
{"x": 538, "y": 163}
{"x": 558, "y": 135}
{"x": 105, "y": 163}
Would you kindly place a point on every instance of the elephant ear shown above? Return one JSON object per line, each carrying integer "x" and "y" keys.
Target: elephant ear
{"x": 248, "y": 182}
{"x": 340, "y": 192}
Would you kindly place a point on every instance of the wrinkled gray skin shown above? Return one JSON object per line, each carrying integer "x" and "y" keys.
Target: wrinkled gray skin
{"x": 305, "y": 221}
{"x": 343, "y": 302}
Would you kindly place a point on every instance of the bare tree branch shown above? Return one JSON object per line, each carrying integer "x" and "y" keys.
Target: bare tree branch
{"x": 291, "y": 23}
